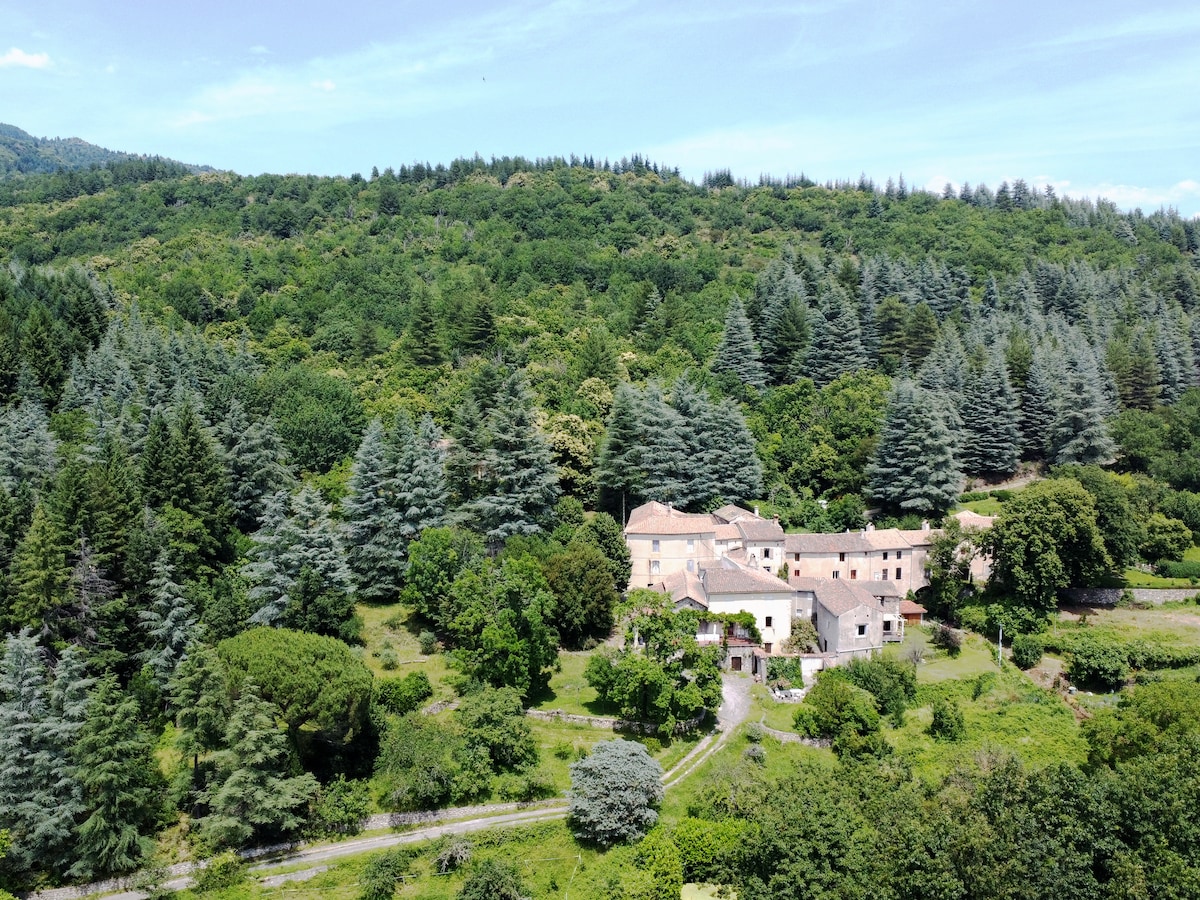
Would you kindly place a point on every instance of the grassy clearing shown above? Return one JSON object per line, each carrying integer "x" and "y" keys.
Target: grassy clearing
{"x": 988, "y": 507}
{"x": 569, "y": 691}
{"x": 769, "y": 711}
{"x": 976, "y": 657}
{"x": 387, "y": 636}
{"x": 1003, "y": 711}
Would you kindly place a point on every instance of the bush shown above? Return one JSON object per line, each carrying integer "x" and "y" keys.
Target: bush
{"x": 891, "y": 682}
{"x": 755, "y": 754}
{"x": 754, "y": 733}
{"x": 615, "y": 793}
{"x": 428, "y": 642}
{"x": 389, "y": 661}
{"x": 1026, "y": 651}
{"x": 403, "y": 695}
{"x": 1098, "y": 664}
{"x": 947, "y": 724}
{"x": 223, "y": 870}
{"x": 493, "y": 880}
{"x": 453, "y": 856}
{"x": 342, "y": 806}
{"x": 383, "y": 872}
{"x": 972, "y": 496}
{"x": 948, "y": 639}
{"x": 1188, "y": 568}
{"x": 834, "y": 707}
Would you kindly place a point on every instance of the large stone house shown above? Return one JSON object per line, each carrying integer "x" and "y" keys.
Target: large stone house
{"x": 851, "y": 586}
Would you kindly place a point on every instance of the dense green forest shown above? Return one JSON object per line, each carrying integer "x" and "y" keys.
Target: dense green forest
{"x": 235, "y": 410}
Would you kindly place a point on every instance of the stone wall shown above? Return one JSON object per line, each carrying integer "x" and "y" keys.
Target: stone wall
{"x": 1111, "y": 596}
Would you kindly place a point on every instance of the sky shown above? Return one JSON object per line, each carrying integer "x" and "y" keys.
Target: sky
{"x": 1097, "y": 98}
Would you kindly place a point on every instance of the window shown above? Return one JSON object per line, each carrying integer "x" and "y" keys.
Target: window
{"x": 836, "y": 574}
{"x": 767, "y": 648}
{"x": 691, "y": 565}
{"x": 796, "y": 557}
{"x": 655, "y": 545}
{"x": 885, "y": 553}
{"x": 796, "y": 573}
{"x": 885, "y": 578}
{"x": 898, "y": 575}
{"x": 853, "y": 574}
{"x": 862, "y": 630}
{"x": 768, "y": 621}
{"x": 654, "y": 567}
{"x": 898, "y": 554}
{"x": 766, "y": 552}
{"x": 887, "y": 625}
{"x": 691, "y": 544}
{"x": 841, "y": 557}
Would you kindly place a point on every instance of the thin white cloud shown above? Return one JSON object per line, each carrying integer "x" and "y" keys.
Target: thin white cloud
{"x": 1173, "y": 23}
{"x": 259, "y": 50}
{"x": 17, "y": 58}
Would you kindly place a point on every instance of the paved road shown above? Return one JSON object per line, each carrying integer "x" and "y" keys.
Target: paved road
{"x": 735, "y": 707}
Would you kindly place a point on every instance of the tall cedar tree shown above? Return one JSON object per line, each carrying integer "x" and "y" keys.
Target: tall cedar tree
{"x": 837, "y": 340}
{"x": 374, "y": 534}
{"x": 914, "y": 469}
{"x": 122, "y": 785}
{"x": 990, "y": 439}
{"x": 737, "y": 354}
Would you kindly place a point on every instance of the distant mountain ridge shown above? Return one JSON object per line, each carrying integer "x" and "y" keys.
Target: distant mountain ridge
{"x": 22, "y": 153}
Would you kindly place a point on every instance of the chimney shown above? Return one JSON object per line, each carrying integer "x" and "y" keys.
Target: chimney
{"x": 924, "y": 524}
{"x": 756, "y": 515}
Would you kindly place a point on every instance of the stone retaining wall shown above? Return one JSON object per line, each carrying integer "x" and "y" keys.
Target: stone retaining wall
{"x": 1111, "y": 596}
{"x": 626, "y": 725}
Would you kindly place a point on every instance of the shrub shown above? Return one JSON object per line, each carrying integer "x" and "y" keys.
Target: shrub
{"x": 948, "y": 639}
{"x": 403, "y": 695}
{"x": 835, "y": 706}
{"x": 1098, "y": 664}
{"x": 428, "y": 642}
{"x": 223, "y": 870}
{"x": 891, "y": 682}
{"x": 972, "y": 496}
{"x": 563, "y": 750}
{"x": 453, "y": 856}
{"x": 755, "y": 754}
{"x": 947, "y": 724}
{"x": 383, "y": 872}
{"x": 342, "y": 806}
{"x": 1026, "y": 651}
{"x": 388, "y": 660}
{"x": 754, "y": 733}
{"x": 1188, "y": 568}
{"x": 615, "y": 793}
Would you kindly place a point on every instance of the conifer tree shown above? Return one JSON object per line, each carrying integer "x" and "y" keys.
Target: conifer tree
{"x": 465, "y": 459}
{"x": 121, "y": 786}
{"x": 422, "y": 494}
{"x": 1039, "y": 406}
{"x": 1080, "y": 435}
{"x": 27, "y": 448}
{"x": 374, "y": 533}
{"x": 914, "y": 469}
{"x": 423, "y": 339}
{"x": 200, "y": 696}
{"x": 256, "y": 461}
{"x": 666, "y": 452}
{"x": 41, "y": 572}
{"x": 737, "y": 354}
{"x": 620, "y": 470}
{"x": 252, "y": 795}
{"x": 837, "y": 340}
{"x": 305, "y": 539}
{"x": 170, "y": 622}
{"x": 522, "y": 485}
{"x": 990, "y": 439}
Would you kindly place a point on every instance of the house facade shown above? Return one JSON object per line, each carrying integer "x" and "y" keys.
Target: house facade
{"x": 852, "y": 586}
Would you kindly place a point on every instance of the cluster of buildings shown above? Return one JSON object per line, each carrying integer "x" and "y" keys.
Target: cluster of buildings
{"x": 856, "y": 587}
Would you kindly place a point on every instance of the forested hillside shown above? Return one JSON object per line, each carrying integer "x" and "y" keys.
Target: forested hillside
{"x": 236, "y": 404}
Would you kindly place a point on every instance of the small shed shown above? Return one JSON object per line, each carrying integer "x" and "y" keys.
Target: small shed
{"x": 912, "y": 612}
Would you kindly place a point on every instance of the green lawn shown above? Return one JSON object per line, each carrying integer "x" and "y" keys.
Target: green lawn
{"x": 569, "y": 691}
{"x": 770, "y": 712}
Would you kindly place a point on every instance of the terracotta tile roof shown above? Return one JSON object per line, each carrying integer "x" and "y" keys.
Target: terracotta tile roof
{"x": 731, "y": 513}
{"x": 883, "y": 589}
{"x": 843, "y": 542}
{"x": 761, "y": 530}
{"x": 974, "y": 519}
{"x": 840, "y": 596}
{"x": 807, "y": 585}
{"x": 910, "y": 608}
{"x": 727, "y": 532}
{"x": 728, "y": 577}
{"x": 886, "y": 539}
{"x": 683, "y": 586}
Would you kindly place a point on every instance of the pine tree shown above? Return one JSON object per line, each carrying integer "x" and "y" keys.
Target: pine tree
{"x": 374, "y": 534}
{"x": 27, "y": 448}
{"x": 423, "y": 339}
{"x": 734, "y": 469}
{"x": 914, "y": 469}
{"x": 121, "y": 784}
{"x": 479, "y": 330}
{"x": 620, "y": 470}
{"x": 41, "y": 573}
{"x": 251, "y": 795}
{"x": 257, "y": 463}
{"x": 737, "y": 354}
{"x": 837, "y": 340}
{"x": 666, "y": 452}
{"x": 990, "y": 445}
{"x": 422, "y": 494}
{"x": 465, "y": 459}
{"x": 305, "y": 539}
{"x": 1079, "y": 435}
{"x": 170, "y": 623}
{"x": 200, "y": 696}
{"x": 522, "y": 485}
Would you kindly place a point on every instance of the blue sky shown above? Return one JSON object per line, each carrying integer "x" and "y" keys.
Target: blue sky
{"x": 1098, "y": 98}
